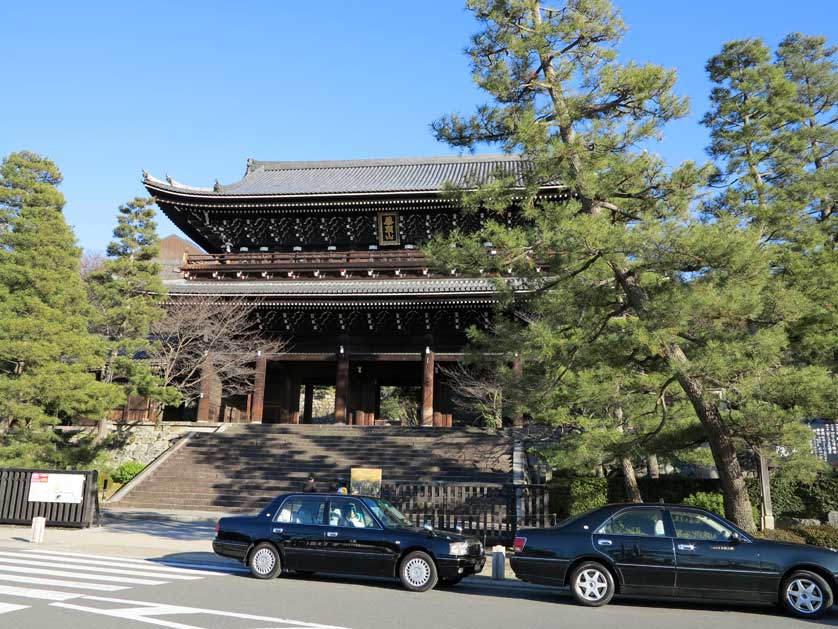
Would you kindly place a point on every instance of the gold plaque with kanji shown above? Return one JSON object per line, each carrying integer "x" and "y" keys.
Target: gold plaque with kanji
{"x": 388, "y": 228}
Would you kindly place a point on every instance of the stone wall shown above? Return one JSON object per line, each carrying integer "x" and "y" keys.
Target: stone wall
{"x": 144, "y": 442}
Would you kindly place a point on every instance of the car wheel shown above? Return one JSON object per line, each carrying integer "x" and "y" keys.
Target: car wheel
{"x": 418, "y": 572}
{"x": 448, "y": 583}
{"x": 264, "y": 561}
{"x": 806, "y": 594}
{"x": 592, "y": 584}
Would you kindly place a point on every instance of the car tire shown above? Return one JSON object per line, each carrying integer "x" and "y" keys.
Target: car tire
{"x": 264, "y": 561}
{"x": 806, "y": 594}
{"x": 417, "y": 572}
{"x": 592, "y": 584}
{"x": 448, "y": 583}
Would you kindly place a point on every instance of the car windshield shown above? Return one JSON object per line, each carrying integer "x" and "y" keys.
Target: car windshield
{"x": 386, "y": 513}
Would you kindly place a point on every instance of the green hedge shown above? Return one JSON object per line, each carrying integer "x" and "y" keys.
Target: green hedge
{"x": 826, "y": 536}
{"x": 781, "y": 535}
{"x": 572, "y": 495}
{"x": 127, "y": 471}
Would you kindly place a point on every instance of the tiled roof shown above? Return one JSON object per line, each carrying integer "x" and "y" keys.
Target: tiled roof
{"x": 365, "y": 176}
{"x": 432, "y": 287}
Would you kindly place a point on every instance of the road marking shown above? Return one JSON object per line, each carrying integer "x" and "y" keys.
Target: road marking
{"x": 213, "y": 568}
{"x": 78, "y": 575}
{"x": 142, "y": 611}
{"x": 50, "y": 595}
{"x": 98, "y": 587}
{"x": 8, "y": 607}
{"x": 94, "y": 569}
{"x": 111, "y": 564}
{"x": 210, "y": 568}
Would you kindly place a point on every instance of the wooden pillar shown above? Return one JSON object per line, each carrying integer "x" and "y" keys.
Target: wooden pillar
{"x": 368, "y": 402}
{"x": 518, "y": 370}
{"x": 342, "y": 389}
{"x": 294, "y": 399}
{"x": 308, "y": 405}
{"x": 257, "y": 403}
{"x": 428, "y": 387}
{"x": 208, "y": 402}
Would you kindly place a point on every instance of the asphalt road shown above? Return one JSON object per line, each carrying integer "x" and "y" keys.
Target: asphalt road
{"x": 43, "y": 588}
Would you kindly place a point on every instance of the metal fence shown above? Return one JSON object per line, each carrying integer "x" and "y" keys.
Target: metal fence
{"x": 15, "y": 507}
{"x": 492, "y": 512}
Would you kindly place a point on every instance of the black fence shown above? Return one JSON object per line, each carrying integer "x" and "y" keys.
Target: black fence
{"x": 15, "y": 507}
{"x": 493, "y": 512}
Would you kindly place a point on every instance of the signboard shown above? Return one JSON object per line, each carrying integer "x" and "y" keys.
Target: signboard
{"x": 826, "y": 441}
{"x": 51, "y": 487}
{"x": 388, "y": 228}
{"x": 365, "y": 481}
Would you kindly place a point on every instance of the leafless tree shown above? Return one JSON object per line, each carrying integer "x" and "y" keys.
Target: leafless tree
{"x": 478, "y": 390}
{"x": 91, "y": 261}
{"x": 205, "y": 337}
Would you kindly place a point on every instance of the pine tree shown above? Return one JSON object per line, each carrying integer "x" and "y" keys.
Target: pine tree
{"x": 48, "y": 359}
{"x": 764, "y": 149}
{"x": 810, "y": 181}
{"x": 692, "y": 304}
{"x": 128, "y": 293}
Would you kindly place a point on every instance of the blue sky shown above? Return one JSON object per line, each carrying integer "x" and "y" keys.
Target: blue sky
{"x": 192, "y": 89}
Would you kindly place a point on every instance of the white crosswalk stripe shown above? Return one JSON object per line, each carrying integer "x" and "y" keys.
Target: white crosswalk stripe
{"x": 60, "y": 576}
{"x": 78, "y": 575}
{"x": 49, "y": 595}
{"x": 98, "y": 587}
{"x": 8, "y": 607}
{"x": 148, "y": 566}
{"x": 139, "y": 572}
{"x": 214, "y": 569}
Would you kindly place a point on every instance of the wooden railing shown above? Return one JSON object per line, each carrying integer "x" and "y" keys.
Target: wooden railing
{"x": 492, "y": 512}
{"x": 281, "y": 263}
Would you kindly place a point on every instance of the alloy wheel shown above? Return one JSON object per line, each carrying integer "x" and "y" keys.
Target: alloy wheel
{"x": 591, "y": 584}
{"x": 417, "y": 572}
{"x": 804, "y": 596}
{"x": 264, "y": 561}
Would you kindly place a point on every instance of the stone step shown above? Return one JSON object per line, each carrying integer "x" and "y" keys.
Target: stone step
{"x": 246, "y": 466}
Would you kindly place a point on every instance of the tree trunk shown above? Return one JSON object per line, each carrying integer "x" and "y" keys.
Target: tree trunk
{"x": 101, "y": 429}
{"x": 652, "y": 467}
{"x": 737, "y": 502}
{"x": 632, "y": 490}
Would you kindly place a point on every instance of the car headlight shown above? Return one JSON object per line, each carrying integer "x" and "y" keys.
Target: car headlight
{"x": 458, "y": 549}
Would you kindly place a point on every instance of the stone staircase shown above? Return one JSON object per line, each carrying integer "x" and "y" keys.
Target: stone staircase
{"x": 245, "y": 466}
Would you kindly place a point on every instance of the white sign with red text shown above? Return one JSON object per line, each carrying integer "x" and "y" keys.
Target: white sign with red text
{"x": 50, "y": 487}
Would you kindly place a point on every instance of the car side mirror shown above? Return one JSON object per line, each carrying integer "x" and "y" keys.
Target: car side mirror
{"x": 735, "y": 538}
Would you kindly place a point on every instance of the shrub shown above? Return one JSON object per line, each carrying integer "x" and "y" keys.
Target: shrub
{"x": 127, "y": 471}
{"x": 781, "y": 535}
{"x": 826, "y": 536}
{"x": 570, "y": 496}
{"x": 711, "y": 501}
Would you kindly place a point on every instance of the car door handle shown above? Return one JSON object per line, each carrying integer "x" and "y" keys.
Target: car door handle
{"x": 686, "y": 546}
{"x": 331, "y": 534}
{"x": 604, "y": 542}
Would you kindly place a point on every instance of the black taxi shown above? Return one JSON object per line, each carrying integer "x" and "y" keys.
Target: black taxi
{"x": 337, "y": 533}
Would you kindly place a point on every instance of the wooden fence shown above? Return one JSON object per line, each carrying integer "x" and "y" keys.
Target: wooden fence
{"x": 491, "y": 511}
{"x": 15, "y": 507}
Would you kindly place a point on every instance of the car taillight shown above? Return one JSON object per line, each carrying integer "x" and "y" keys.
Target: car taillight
{"x": 217, "y": 528}
{"x": 519, "y": 543}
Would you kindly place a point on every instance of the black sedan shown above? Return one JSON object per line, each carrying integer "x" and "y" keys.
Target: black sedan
{"x": 308, "y": 533}
{"x": 673, "y": 550}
